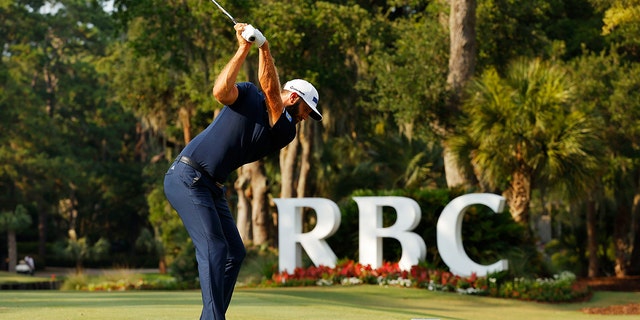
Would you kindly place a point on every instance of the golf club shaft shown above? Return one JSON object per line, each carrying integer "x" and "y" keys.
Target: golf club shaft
{"x": 224, "y": 11}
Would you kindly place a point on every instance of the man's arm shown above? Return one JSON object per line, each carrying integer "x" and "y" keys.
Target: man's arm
{"x": 225, "y": 90}
{"x": 270, "y": 83}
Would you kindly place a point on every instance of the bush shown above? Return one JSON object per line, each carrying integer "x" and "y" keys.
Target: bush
{"x": 75, "y": 282}
{"x": 560, "y": 288}
{"x": 122, "y": 280}
{"x": 185, "y": 267}
{"x": 258, "y": 266}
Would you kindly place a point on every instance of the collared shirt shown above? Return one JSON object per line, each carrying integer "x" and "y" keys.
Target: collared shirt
{"x": 240, "y": 134}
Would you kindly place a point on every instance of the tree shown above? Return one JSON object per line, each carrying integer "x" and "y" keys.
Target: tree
{"x": 21, "y": 109}
{"x": 79, "y": 249}
{"x": 13, "y": 222}
{"x": 150, "y": 244}
{"x": 522, "y": 133}
{"x": 162, "y": 69}
{"x": 165, "y": 224}
{"x": 607, "y": 87}
{"x": 409, "y": 75}
{"x": 462, "y": 63}
{"x": 622, "y": 24}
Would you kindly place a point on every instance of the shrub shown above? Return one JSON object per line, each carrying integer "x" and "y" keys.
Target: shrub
{"x": 258, "y": 266}
{"x": 121, "y": 280}
{"x": 560, "y": 288}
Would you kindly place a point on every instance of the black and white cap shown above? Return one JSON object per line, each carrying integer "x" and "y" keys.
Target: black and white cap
{"x": 308, "y": 93}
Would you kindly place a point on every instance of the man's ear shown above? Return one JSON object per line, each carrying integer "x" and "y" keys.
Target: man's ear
{"x": 293, "y": 97}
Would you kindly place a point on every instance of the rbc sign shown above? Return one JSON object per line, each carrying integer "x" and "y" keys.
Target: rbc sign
{"x": 449, "y": 232}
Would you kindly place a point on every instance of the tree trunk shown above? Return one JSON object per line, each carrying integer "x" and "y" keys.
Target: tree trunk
{"x": 462, "y": 61}
{"x": 13, "y": 250}
{"x": 78, "y": 266}
{"x": 288, "y": 156}
{"x": 42, "y": 234}
{"x": 185, "y": 119}
{"x": 462, "y": 48}
{"x": 634, "y": 268}
{"x": 306, "y": 140}
{"x": 621, "y": 241}
{"x": 454, "y": 174}
{"x": 259, "y": 210}
{"x": 162, "y": 265}
{"x": 51, "y": 81}
{"x": 592, "y": 240}
{"x": 519, "y": 196}
{"x": 242, "y": 220}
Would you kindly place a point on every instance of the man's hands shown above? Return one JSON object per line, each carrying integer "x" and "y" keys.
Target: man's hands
{"x": 252, "y": 34}
{"x": 224, "y": 89}
{"x": 246, "y": 33}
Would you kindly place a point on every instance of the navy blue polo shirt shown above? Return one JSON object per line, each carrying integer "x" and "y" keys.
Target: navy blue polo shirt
{"x": 240, "y": 134}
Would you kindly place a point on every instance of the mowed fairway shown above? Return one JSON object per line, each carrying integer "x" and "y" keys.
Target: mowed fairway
{"x": 332, "y": 303}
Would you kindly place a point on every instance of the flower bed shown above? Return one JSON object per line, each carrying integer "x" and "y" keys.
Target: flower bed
{"x": 560, "y": 288}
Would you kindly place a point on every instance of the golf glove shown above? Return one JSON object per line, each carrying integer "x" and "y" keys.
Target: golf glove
{"x": 252, "y": 34}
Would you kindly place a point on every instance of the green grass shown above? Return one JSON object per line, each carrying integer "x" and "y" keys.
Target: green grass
{"x": 6, "y": 277}
{"x": 337, "y": 303}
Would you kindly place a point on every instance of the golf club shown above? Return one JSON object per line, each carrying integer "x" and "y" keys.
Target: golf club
{"x": 250, "y": 32}
{"x": 225, "y": 11}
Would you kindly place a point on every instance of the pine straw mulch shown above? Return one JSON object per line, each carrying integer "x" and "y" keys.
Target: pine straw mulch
{"x": 628, "y": 284}
{"x": 631, "y": 308}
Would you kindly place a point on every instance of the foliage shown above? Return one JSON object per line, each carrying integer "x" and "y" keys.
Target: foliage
{"x": 563, "y": 255}
{"x": 90, "y": 105}
{"x": 16, "y": 220}
{"x": 184, "y": 267}
{"x": 608, "y": 89}
{"x": 528, "y": 110}
{"x": 81, "y": 249}
{"x": 121, "y": 280}
{"x": 259, "y": 265}
{"x": 64, "y": 141}
{"x": 13, "y": 222}
{"x": 622, "y": 25}
{"x": 377, "y": 162}
{"x": 561, "y": 288}
{"x": 404, "y": 87}
{"x": 523, "y": 131}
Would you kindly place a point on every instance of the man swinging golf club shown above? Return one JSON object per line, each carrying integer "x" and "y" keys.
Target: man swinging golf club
{"x": 251, "y": 125}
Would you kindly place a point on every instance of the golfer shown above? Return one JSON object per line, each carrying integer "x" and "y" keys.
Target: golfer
{"x": 251, "y": 125}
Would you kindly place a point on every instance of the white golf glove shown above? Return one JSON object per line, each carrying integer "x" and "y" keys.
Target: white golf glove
{"x": 252, "y": 34}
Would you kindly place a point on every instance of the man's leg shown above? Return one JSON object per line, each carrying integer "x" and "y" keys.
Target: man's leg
{"x": 237, "y": 251}
{"x": 203, "y": 226}
{"x": 197, "y": 210}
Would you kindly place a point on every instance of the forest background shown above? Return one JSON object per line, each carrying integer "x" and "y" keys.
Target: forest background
{"x": 536, "y": 100}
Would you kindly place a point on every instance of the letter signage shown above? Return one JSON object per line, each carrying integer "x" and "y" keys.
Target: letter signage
{"x": 449, "y": 235}
{"x": 291, "y": 240}
{"x": 371, "y": 231}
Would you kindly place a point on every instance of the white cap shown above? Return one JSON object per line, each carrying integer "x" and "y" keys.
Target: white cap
{"x": 308, "y": 93}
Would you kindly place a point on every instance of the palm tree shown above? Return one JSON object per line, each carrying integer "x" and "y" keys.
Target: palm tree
{"x": 522, "y": 132}
{"x": 13, "y": 222}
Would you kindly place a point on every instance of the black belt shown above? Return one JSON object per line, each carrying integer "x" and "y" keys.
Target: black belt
{"x": 188, "y": 161}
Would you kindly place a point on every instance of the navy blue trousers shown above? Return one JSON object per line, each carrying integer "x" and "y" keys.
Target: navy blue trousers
{"x": 219, "y": 249}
